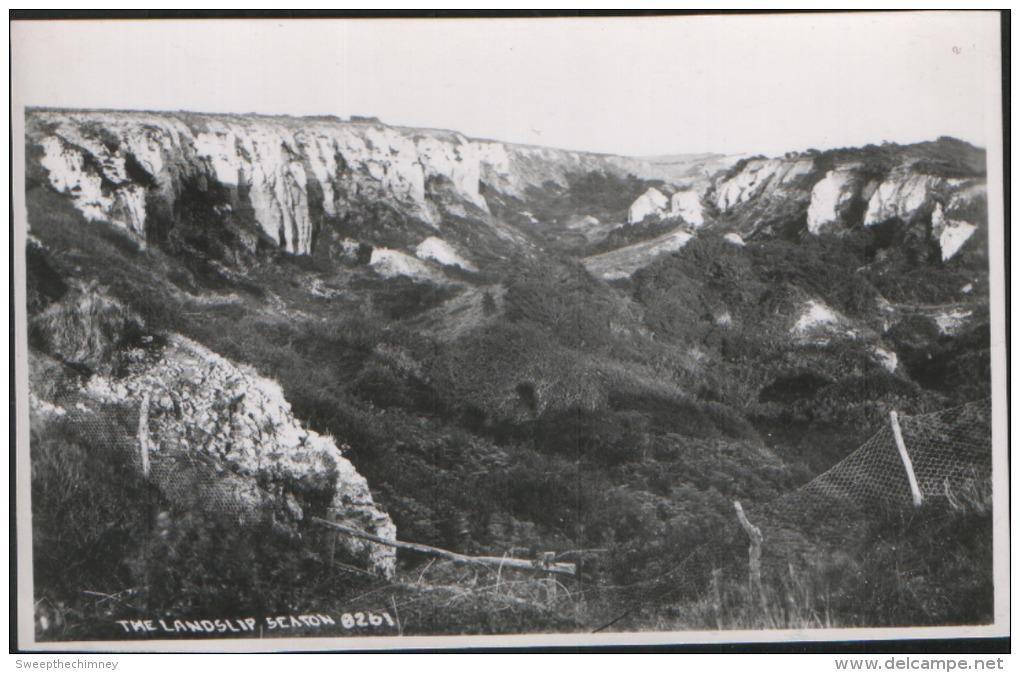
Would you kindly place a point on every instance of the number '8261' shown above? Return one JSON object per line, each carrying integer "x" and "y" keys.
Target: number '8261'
{"x": 366, "y": 619}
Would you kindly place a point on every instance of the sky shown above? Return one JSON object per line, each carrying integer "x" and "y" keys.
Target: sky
{"x": 636, "y": 86}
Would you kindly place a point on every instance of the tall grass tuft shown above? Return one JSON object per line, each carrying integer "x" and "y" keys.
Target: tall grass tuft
{"x": 85, "y": 328}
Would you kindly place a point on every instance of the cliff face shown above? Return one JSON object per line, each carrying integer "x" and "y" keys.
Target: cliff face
{"x": 249, "y": 182}
{"x": 937, "y": 189}
{"x": 276, "y": 180}
{"x": 908, "y": 186}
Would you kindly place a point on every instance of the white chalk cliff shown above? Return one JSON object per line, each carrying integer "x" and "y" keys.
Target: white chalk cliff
{"x": 201, "y": 403}
{"x": 686, "y": 204}
{"x": 830, "y": 198}
{"x": 902, "y": 195}
{"x": 279, "y": 181}
{"x": 285, "y": 170}
{"x": 651, "y": 203}
{"x": 951, "y": 234}
{"x": 757, "y": 176}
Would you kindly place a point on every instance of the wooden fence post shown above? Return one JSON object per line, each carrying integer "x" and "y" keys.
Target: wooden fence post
{"x": 754, "y": 557}
{"x": 143, "y": 433}
{"x": 915, "y": 491}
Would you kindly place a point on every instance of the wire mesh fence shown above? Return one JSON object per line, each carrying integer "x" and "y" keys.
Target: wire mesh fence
{"x": 951, "y": 456}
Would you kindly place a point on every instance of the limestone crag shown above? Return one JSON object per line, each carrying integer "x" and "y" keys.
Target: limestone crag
{"x": 288, "y": 173}
{"x": 651, "y": 203}
{"x": 757, "y": 176}
{"x": 202, "y": 404}
{"x": 903, "y": 195}
{"x": 849, "y": 195}
{"x": 686, "y": 204}
{"x": 830, "y": 199}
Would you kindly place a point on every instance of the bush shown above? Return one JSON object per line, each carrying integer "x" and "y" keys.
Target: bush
{"x": 86, "y": 328}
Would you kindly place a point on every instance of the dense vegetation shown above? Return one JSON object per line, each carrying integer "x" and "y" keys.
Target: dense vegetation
{"x": 550, "y": 411}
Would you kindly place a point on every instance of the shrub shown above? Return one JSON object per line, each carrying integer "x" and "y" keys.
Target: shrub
{"x": 86, "y": 328}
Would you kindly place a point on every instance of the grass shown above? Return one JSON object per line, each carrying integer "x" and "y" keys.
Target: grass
{"x": 577, "y": 414}
{"x": 86, "y": 328}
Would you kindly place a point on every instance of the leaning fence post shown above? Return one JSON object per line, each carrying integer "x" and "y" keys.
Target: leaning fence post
{"x": 143, "y": 433}
{"x": 905, "y": 457}
{"x": 754, "y": 556}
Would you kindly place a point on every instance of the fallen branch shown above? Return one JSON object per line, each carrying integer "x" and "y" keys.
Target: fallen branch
{"x": 543, "y": 565}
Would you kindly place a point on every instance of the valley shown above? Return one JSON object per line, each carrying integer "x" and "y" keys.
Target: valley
{"x": 493, "y": 349}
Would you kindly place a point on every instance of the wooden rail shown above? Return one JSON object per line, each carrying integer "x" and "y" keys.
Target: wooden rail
{"x": 546, "y": 564}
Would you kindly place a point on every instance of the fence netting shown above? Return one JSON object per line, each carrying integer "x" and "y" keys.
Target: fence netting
{"x": 951, "y": 453}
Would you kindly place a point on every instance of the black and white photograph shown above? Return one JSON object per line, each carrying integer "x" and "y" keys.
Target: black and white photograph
{"x": 351, "y": 333}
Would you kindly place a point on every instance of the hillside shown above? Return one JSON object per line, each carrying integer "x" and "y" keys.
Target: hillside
{"x": 478, "y": 346}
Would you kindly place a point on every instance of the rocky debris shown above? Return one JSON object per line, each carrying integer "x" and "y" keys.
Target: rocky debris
{"x": 949, "y": 233}
{"x": 817, "y": 317}
{"x": 734, "y": 239}
{"x": 438, "y": 250}
{"x": 951, "y": 322}
{"x": 686, "y": 204}
{"x": 200, "y": 403}
{"x": 651, "y": 203}
{"x": 757, "y": 176}
{"x": 583, "y": 223}
{"x": 393, "y": 263}
{"x": 886, "y": 358}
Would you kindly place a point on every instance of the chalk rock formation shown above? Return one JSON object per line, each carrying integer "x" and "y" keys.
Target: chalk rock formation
{"x": 203, "y": 405}
{"x": 951, "y": 234}
{"x": 830, "y": 198}
{"x": 757, "y": 176}
{"x": 392, "y": 263}
{"x": 281, "y": 176}
{"x": 652, "y": 202}
{"x": 438, "y": 250}
{"x": 816, "y": 317}
{"x": 686, "y": 204}
{"x": 903, "y": 195}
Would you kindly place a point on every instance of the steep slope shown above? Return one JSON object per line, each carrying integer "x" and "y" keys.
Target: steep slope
{"x": 502, "y": 358}
{"x": 240, "y": 183}
{"x": 926, "y": 200}
{"x": 207, "y": 428}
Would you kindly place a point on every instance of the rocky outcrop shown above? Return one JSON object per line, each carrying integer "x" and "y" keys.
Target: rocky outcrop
{"x": 438, "y": 250}
{"x": 280, "y": 176}
{"x": 951, "y": 234}
{"x": 831, "y": 197}
{"x": 817, "y": 318}
{"x": 758, "y": 176}
{"x": 201, "y": 405}
{"x": 652, "y": 203}
{"x": 686, "y": 204}
{"x": 393, "y": 263}
{"x": 279, "y": 181}
{"x": 903, "y": 195}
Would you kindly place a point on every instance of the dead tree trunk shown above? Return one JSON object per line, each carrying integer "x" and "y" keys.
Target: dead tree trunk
{"x": 546, "y": 564}
{"x": 754, "y": 557}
